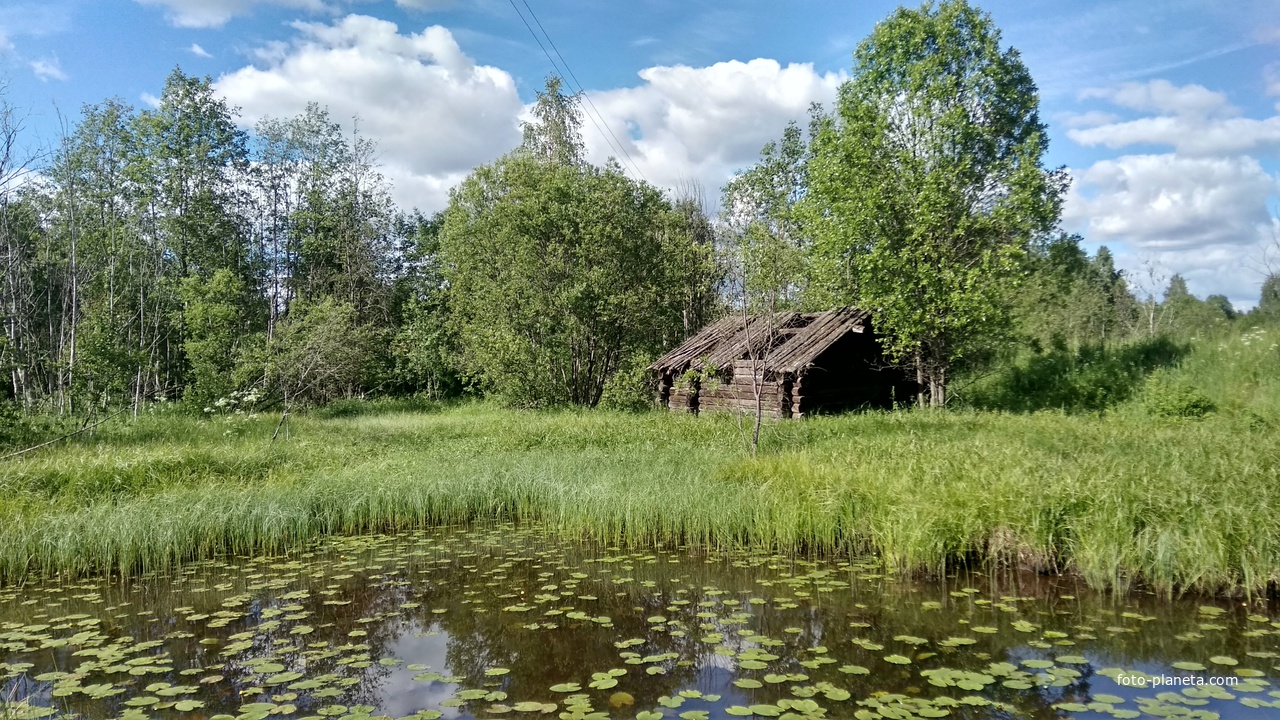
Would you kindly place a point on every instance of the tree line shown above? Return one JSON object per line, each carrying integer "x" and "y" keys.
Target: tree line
{"x": 165, "y": 254}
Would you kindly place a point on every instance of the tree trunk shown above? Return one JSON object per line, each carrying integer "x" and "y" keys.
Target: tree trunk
{"x": 938, "y": 390}
{"x": 932, "y": 376}
{"x": 920, "y": 384}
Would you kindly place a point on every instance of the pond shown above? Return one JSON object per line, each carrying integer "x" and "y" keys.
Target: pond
{"x": 509, "y": 622}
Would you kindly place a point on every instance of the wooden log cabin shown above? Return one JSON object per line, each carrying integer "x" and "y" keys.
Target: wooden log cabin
{"x": 805, "y": 363}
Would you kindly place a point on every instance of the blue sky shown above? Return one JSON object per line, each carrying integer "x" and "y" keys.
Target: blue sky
{"x": 1167, "y": 114}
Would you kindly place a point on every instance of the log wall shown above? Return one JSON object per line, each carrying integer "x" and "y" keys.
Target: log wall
{"x": 850, "y": 374}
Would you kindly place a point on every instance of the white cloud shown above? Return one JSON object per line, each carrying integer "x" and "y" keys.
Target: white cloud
{"x": 434, "y": 112}
{"x": 1191, "y": 119}
{"x": 6, "y": 45}
{"x": 1272, "y": 75}
{"x": 1203, "y": 209}
{"x": 424, "y": 5}
{"x": 216, "y": 13}
{"x": 1089, "y": 119}
{"x": 1187, "y": 135}
{"x": 199, "y": 51}
{"x": 1168, "y": 202}
{"x": 48, "y": 69}
{"x": 703, "y": 124}
{"x": 151, "y": 101}
{"x": 1165, "y": 97}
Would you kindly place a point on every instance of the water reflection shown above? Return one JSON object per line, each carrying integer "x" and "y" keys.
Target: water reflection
{"x": 462, "y": 623}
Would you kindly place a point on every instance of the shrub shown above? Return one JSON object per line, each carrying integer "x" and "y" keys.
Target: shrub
{"x": 1167, "y": 396}
{"x": 631, "y": 387}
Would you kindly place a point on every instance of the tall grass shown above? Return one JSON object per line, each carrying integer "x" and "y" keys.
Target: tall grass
{"x": 1117, "y": 497}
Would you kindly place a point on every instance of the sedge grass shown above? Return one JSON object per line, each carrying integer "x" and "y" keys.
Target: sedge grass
{"x": 1177, "y": 504}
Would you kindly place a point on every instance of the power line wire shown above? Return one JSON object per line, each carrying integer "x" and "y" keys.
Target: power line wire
{"x": 567, "y": 73}
{"x": 563, "y": 73}
{"x": 582, "y": 90}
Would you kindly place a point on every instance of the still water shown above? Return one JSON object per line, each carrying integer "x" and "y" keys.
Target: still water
{"x": 507, "y": 622}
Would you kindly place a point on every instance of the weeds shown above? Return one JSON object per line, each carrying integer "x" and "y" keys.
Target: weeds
{"x": 1174, "y": 503}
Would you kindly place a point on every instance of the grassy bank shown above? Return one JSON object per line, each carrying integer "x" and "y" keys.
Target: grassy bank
{"x": 1117, "y": 496}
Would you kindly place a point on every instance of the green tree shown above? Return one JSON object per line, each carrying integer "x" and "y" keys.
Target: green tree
{"x": 216, "y": 322}
{"x": 927, "y": 184}
{"x": 321, "y": 352}
{"x": 189, "y": 165}
{"x": 691, "y": 241}
{"x": 767, "y": 249}
{"x": 1071, "y": 299}
{"x": 119, "y": 286}
{"x": 765, "y": 236}
{"x": 424, "y": 350}
{"x": 560, "y": 272}
{"x": 555, "y": 135}
{"x": 1190, "y": 316}
{"x": 1269, "y": 300}
{"x": 193, "y": 157}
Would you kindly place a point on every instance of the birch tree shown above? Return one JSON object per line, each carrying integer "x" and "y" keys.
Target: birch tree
{"x": 926, "y": 185}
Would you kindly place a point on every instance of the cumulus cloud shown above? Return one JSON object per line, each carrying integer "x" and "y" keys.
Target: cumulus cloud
{"x": 434, "y": 112}
{"x": 437, "y": 114}
{"x": 199, "y": 51}
{"x": 1169, "y": 202}
{"x": 1188, "y": 135}
{"x": 216, "y": 13}
{"x": 48, "y": 69}
{"x": 1191, "y": 119}
{"x": 1165, "y": 97}
{"x": 684, "y": 123}
{"x": 1201, "y": 209}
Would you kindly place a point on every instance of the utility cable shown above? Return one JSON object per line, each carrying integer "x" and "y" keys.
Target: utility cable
{"x": 601, "y": 126}
{"x": 582, "y": 91}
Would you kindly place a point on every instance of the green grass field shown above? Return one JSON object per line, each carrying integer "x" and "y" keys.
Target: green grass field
{"x": 1116, "y": 496}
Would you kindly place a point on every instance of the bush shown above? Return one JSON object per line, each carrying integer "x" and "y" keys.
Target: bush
{"x": 1092, "y": 378}
{"x": 631, "y": 387}
{"x": 320, "y": 352}
{"x": 1167, "y": 396}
